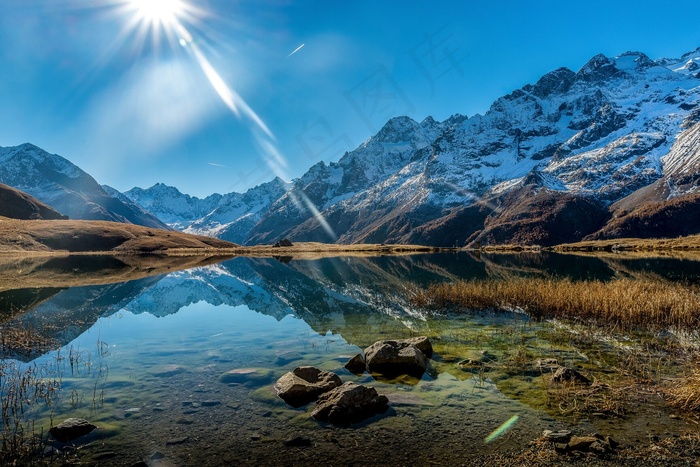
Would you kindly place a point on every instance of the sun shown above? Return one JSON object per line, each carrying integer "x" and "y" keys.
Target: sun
{"x": 165, "y": 12}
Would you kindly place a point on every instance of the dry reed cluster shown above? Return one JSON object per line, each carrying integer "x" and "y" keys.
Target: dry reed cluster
{"x": 627, "y": 303}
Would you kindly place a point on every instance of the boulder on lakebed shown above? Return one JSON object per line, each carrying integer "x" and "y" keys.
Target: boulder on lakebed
{"x": 349, "y": 403}
{"x": 304, "y": 384}
{"x": 393, "y": 358}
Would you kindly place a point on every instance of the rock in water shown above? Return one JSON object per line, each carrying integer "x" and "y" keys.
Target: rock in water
{"x": 70, "y": 429}
{"x": 394, "y": 358}
{"x": 356, "y": 365}
{"x": 569, "y": 374}
{"x": 304, "y": 384}
{"x": 422, "y": 343}
{"x": 349, "y": 403}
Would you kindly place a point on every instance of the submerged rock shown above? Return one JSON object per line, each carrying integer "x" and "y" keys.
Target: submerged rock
{"x": 70, "y": 429}
{"x": 246, "y": 375}
{"x": 166, "y": 371}
{"x": 349, "y": 403}
{"x": 400, "y": 357}
{"x": 547, "y": 365}
{"x": 297, "y": 441}
{"x": 304, "y": 384}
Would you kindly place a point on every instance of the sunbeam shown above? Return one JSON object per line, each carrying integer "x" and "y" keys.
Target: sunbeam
{"x": 172, "y": 18}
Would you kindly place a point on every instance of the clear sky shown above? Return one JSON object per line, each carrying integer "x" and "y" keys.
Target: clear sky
{"x": 221, "y": 95}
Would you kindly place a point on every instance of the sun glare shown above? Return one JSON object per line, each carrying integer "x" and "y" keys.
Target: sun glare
{"x": 159, "y": 11}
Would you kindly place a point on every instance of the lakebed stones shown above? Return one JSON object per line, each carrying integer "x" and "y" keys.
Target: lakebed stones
{"x": 70, "y": 429}
{"x": 304, "y": 384}
{"x": 349, "y": 403}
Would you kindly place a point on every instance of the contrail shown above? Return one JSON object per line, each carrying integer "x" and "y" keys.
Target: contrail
{"x": 218, "y": 165}
{"x": 295, "y": 51}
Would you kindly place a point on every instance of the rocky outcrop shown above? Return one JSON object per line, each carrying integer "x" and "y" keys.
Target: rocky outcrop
{"x": 349, "y": 403}
{"x": 304, "y": 384}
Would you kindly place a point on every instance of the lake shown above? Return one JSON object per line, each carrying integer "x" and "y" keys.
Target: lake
{"x": 149, "y": 360}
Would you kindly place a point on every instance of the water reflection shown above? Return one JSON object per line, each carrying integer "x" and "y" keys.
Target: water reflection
{"x": 165, "y": 356}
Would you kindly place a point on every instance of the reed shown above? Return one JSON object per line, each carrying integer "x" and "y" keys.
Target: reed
{"x": 623, "y": 303}
{"x": 19, "y": 390}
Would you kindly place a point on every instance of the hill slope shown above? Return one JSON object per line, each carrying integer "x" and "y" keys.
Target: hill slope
{"x": 19, "y": 205}
{"x": 97, "y": 236}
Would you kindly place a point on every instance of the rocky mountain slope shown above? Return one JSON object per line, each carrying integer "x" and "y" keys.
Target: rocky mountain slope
{"x": 66, "y": 188}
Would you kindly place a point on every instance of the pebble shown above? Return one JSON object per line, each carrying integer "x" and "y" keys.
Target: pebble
{"x": 174, "y": 441}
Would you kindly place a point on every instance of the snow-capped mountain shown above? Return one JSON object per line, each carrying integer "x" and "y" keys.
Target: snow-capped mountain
{"x": 60, "y": 184}
{"x": 229, "y": 217}
{"x": 596, "y": 135}
{"x": 176, "y": 209}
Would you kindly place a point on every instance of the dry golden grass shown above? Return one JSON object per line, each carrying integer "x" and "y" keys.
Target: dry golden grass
{"x": 684, "y": 394}
{"x": 626, "y": 303}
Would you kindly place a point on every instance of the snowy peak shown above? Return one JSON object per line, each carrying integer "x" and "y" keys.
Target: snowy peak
{"x": 633, "y": 61}
{"x": 229, "y": 216}
{"x": 557, "y": 81}
{"x": 598, "y": 68}
{"x": 171, "y": 206}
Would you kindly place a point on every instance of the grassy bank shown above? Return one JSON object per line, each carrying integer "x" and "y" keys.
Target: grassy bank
{"x": 625, "y": 303}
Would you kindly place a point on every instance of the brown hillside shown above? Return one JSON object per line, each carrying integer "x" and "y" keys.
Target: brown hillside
{"x": 541, "y": 217}
{"x": 97, "y": 236}
{"x": 19, "y": 205}
{"x": 676, "y": 217}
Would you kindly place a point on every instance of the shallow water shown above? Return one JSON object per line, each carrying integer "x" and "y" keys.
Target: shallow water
{"x": 147, "y": 361}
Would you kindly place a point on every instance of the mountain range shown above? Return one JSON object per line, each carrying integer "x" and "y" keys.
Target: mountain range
{"x": 610, "y": 150}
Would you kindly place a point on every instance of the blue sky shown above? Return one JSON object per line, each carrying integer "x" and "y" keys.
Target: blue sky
{"x": 133, "y": 111}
